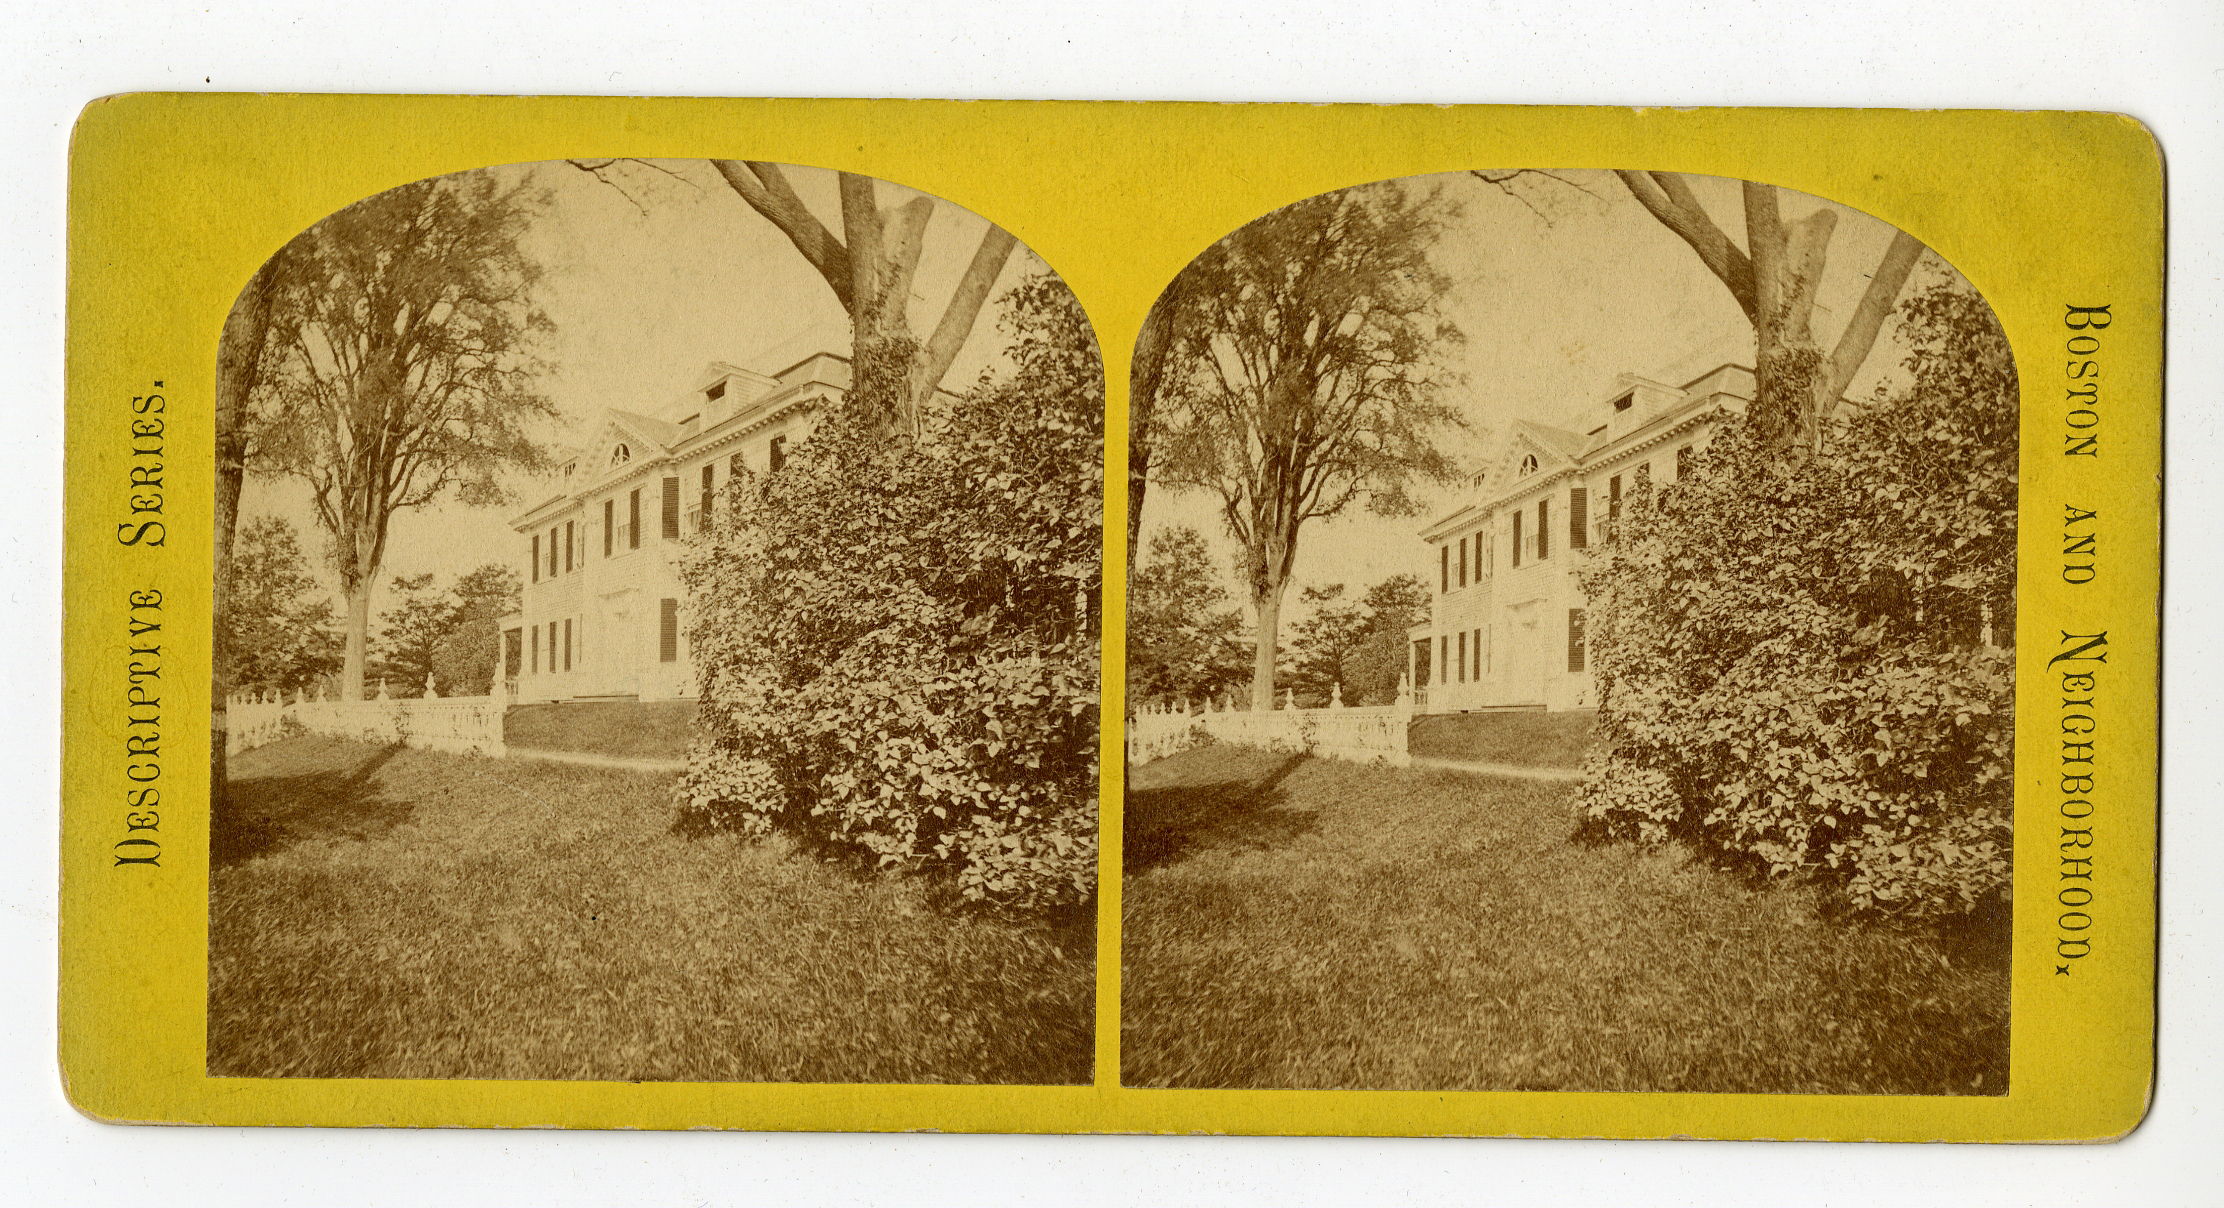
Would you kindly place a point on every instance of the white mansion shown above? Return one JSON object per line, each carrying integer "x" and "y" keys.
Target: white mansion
{"x": 601, "y": 611}
{"x": 1505, "y": 627}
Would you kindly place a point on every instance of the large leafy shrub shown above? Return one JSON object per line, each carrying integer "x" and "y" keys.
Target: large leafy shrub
{"x": 896, "y": 634}
{"x": 1801, "y": 661}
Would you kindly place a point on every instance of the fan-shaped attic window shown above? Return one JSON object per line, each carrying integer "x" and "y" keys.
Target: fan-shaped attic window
{"x": 1528, "y": 464}
{"x": 621, "y": 454}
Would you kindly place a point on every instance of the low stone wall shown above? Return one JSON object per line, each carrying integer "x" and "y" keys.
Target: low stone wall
{"x": 1375, "y": 734}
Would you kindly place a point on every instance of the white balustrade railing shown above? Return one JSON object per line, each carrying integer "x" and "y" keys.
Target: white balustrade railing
{"x": 462, "y": 725}
{"x": 1372, "y": 734}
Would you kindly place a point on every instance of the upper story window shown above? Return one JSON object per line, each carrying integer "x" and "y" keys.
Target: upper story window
{"x": 1528, "y": 464}
{"x": 1623, "y": 403}
{"x": 717, "y": 391}
{"x": 621, "y": 454}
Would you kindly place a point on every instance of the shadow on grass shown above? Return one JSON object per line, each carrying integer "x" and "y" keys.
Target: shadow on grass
{"x": 268, "y": 814}
{"x": 1169, "y": 825}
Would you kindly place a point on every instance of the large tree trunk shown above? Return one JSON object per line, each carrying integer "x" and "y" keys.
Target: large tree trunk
{"x": 238, "y": 366}
{"x": 1267, "y": 605}
{"x": 358, "y": 633}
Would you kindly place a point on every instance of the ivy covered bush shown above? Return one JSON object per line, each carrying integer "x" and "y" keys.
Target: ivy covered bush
{"x": 1805, "y": 660}
{"x": 897, "y": 632}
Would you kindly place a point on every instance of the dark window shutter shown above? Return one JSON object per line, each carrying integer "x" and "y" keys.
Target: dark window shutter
{"x": 1683, "y": 463}
{"x": 734, "y": 466}
{"x": 1463, "y": 562}
{"x": 1614, "y": 499}
{"x": 1444, "y": 568}
{"x": 1463, "y": 657}
{"x": 1575, "y": 639}
{"x": 1517, "y": 537}
{"x": 709, "y": 471}
{"x": 1482, "y": 556}
{"x": 633, "y": 519}
{"x": 552, "y": 647}
{"x": 1544, "y": 529}
{"x": 552, "y": 554}
{"x": 536, "y": 633}
{"x": 668, "y": 631}
{"x": 671, "y": 517}
{"x": 536, "y": 557}
{"x": 777, "y": 454}
{"x": 1444, "y": 658}
{"x": 1579, "y": 518}
{"x": 609, "y": 516}
{"x": 567, "y": 643}
{"x": 571, "y": 543}
{"x": 1421, "y": 663}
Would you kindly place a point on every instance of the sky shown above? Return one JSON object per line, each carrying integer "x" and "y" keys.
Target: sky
{"x": 650, "y": 273}
{"x": 1558, "y": 289}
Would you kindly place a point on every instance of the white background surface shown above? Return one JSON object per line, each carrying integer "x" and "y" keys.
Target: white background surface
{"x": 2161, "y": 62}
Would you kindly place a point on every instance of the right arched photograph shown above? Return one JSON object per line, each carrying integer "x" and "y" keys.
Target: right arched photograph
{"x": 1570, "y": 647}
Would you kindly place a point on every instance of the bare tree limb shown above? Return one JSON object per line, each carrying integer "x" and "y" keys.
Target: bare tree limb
{"x": 1671, "y": 201}
{"x": 767, "y": 191}
{"x": 1868, "y": 319}
{"x": 965, "y": 306}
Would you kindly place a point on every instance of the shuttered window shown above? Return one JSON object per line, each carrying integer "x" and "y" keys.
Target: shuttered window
{"x": 567, "y": 643}
{"x": 668, "y": 631}
{"x": 633, "y": 519}
{"x": 670, "y": 525}
{"x": 709, "y": 471}
{"x": 1444, "y": 658}
{"x": 1683, "y": 463}
{"x": 1463, "y": 657}
{"x": 552, "y": 647}
{"x": 1444, "y": 568}
{"x": 571, "y": 537}
{"x": 1463, "y": 562}
{"x": 1544, "y": 529}
{"x": 734, "y": 467}
{"x": 536, "y": 630}
{"x": 776, "y": 454}
{"x": 552, "y": 552}
{"x": 1575, "y": 639}
{"x": 1579, "y": 518}
{"x": 1613, "y": 499}
{"x": 1517, "y": 537}
{"x": 536, "y": 557}
{"x": 1477, "y": 647}
{"x": 609, "y": 514}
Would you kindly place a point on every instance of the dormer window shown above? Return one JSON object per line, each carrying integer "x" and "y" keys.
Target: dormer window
{"x": 569, "y": 466}
{"x": 1625, "y": 402}
{"x": 717, "y": 391}
{"x": 1528, "y": 464}
{"x": 621, "y": 454}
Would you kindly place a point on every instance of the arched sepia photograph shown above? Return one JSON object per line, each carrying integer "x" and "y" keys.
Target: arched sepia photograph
{"x": 657, "y": 638}
{"x": 1570, "y": 647}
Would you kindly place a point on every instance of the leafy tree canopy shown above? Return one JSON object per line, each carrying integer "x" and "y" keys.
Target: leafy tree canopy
{"x": 279, "y": 631}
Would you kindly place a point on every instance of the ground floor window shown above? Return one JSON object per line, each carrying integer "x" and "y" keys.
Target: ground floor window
{"x": 1575, "y": 639}
{"x": 668, "y": 631}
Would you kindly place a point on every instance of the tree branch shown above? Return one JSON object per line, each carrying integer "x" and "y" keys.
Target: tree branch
{"x": 965, "y": 306}
{"x": 1868, "y": 319}
{"x": 1670, "y": 200}
{"x": 768, "y": 193}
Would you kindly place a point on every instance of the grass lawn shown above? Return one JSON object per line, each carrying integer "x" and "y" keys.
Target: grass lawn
{"x": 1524, "y": 738}
{"x": 1291, "y": 922}
{"x": 395, "y": 913}
{"x": 634, "y": 729}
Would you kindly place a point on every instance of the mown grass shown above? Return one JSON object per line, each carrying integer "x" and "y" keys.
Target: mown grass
{"x": 1524, "y": 738}
{"x": 632, "y": 729}
{"x": 393, "y": 913}
{"x": 1301, "y": 923}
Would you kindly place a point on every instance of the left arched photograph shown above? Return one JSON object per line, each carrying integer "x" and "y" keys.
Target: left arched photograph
{"x": 657, "y": 624}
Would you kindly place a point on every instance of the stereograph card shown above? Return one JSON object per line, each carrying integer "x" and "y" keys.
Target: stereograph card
{"x": 1046, "y": 617}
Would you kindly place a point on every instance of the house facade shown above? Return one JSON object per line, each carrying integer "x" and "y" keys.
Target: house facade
{"x": 1506, "y": 622}
{"x": 603, "y": 611}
